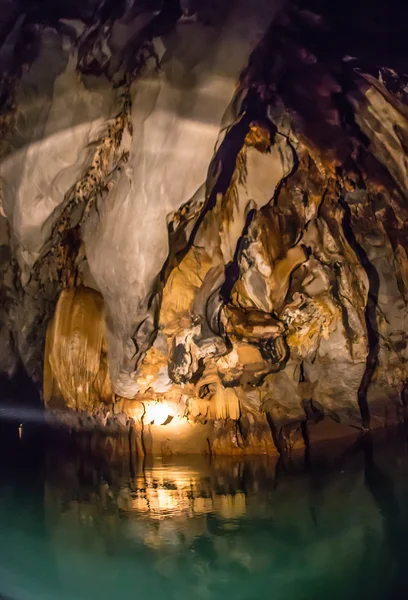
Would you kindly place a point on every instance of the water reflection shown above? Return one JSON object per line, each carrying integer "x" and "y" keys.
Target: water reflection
{"x": 205, "y": 530}
{"x": 175, "y": 490}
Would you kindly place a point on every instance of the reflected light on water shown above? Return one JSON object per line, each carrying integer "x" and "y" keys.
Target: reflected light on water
{"x": 169, "y": 504}
{"x": 164, "y": 492}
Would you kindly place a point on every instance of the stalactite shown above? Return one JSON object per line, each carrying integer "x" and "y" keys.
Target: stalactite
{"x": 75, "y": 363}
{"x": 224, "y": 404}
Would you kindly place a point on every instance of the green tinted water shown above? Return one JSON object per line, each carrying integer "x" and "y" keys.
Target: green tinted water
{"x": 181, "y": 530}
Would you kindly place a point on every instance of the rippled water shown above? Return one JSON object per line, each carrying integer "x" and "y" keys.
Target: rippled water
{"x": 180, "y": 530}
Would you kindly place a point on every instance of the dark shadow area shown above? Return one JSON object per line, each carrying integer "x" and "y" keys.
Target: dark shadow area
{"x": 383, "y": 490}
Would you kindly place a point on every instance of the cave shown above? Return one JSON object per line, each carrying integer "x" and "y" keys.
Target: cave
{"x": 204, "y": 221}
{"x": 203, "y": 241}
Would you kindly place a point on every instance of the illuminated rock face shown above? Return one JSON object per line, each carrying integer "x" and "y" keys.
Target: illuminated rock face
{"x": 225, "y": 232}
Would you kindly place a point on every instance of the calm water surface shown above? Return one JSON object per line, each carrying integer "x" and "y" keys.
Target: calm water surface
{"x": 189, "y": 529}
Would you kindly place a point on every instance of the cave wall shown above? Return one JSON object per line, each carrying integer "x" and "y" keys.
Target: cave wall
{"x": 208, "y": 211}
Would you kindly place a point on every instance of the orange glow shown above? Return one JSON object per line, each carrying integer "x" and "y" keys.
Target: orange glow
{"x": 157, "y": 413}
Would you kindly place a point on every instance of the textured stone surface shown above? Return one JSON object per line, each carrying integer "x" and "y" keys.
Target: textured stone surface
{"x": 240, "y": 218}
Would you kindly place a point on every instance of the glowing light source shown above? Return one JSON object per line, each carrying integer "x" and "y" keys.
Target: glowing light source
{"x": 157, "y": 413}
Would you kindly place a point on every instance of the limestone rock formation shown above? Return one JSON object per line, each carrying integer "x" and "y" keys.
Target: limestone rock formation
{"x": 209, "y": 213}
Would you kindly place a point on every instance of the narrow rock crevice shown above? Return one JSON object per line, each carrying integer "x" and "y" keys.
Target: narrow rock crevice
{"x": 276, "y": 434}
{"x": 232, "y": 270}
{"x": 370, "y": 314}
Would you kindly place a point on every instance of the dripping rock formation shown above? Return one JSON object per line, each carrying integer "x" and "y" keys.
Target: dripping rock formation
{"x": 204, "y": 219}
